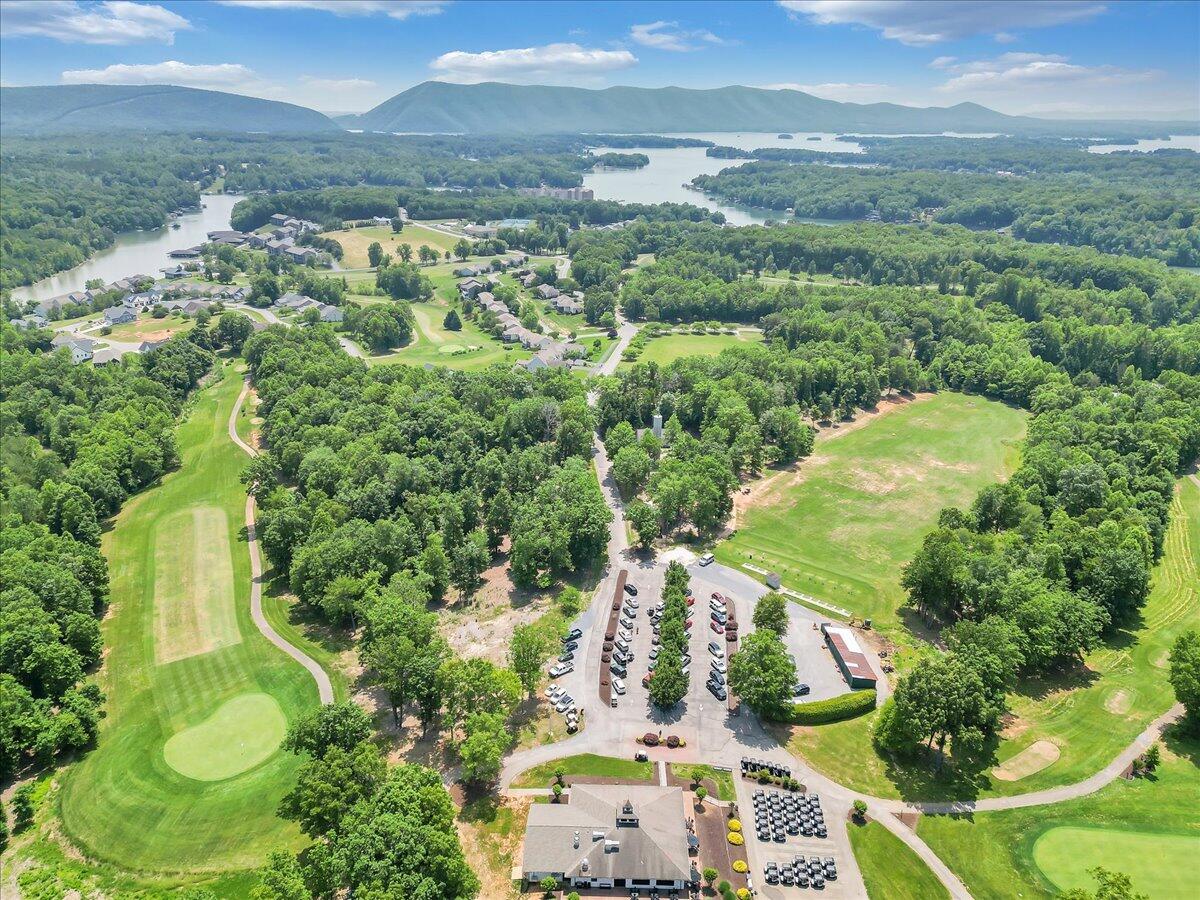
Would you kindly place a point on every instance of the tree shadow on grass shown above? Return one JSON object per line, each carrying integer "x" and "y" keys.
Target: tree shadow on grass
{"x": 1183, "y": 740}
{"x": 308, "y": 621}
{"x": 1040, "y": 686}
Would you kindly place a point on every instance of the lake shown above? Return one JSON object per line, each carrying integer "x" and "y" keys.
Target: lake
{"x": 1174, "y": 142}
{"x": 670, "y": 168}
{"x": 138, "y": 252}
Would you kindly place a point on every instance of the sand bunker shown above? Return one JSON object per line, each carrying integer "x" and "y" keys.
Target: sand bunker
{"x": 1033, "y": 758}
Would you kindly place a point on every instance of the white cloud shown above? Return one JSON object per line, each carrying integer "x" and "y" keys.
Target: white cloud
{"x": 667, "y": 36}
{"x": 562, "y": 62}
{"x": 112, "y": 22}
{"x": 394, "y": 9}
{"x": 852, "y": 91}
{"x": 923, "y": 22}
{"x": 337, "y": 85}
{"x": 221, "y": 76}
{"x": 943, "y": 62}
{"x": 1023, "y": 71}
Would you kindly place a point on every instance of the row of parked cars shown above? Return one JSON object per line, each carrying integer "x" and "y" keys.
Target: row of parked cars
{"x": 723, "y": 624}
{"x": 566, "y": 660}
{"x": 621, "y": 649}
{"x": 802, "y": 872}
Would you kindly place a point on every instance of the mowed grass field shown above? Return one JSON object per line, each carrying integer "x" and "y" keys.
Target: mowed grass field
{"x": 667, "y": 349}
{"x": 468, "y": 349}
{"x": 890, "y": 870}
{"x": 150, "y": 328}
{"x": 1146, "y": 827}
{"x": 842, "y": 526}
{"x": 1087, "y": 720}
{"x": 188, "y": 773}
{"x": 355, "y": 242}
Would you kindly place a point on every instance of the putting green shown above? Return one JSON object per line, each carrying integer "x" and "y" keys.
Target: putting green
{"x": 451, "y": 348}
{"x": 242, "y": 733}
{"x": 1160, "y": 864}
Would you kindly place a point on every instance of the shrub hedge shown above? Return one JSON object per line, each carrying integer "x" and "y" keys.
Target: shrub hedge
{"x": 835, "y": 709}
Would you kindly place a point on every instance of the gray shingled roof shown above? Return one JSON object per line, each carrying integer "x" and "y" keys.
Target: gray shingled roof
{"x": 654, "y": 847}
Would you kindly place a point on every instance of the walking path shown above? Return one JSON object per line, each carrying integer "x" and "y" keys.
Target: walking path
{"x": 324, "y": 686}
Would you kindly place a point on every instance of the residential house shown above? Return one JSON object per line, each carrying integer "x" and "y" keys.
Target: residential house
{"x": 35, "y": 320}
{"x": 546, "y": 291}
{"x": 300, "y": 254}
{"x": 257, "y": 242}
{"x": 149, "y": 346}
{"x": 611, "y": 836}
{"x": 174, "y": 272}
{"x": 528, "y": 281}
{"x": 277, "y": 219}
{"x": 185, "y": 253}
{"x": 481, "y": 232}
{"x": 292, "y": 300}
{"x": 470, "y": 287}
{"x": 81, "y": 350}
{"x": 105, "y": 357}
{"x": 566, "y": 305}
{"x": 330, "y": 313}
{"x": 119, "y": 315}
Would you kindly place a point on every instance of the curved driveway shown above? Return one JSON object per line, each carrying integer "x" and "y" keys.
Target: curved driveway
{"x": 324, "y": 686}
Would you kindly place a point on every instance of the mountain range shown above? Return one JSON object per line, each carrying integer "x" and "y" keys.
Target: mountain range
{"x": 495, "y": 108}
{"x": 59, "y": 109}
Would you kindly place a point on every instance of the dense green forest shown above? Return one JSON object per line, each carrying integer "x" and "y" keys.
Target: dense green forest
{"x": 77, "y": 441}
{"x": 1134, "y": 203}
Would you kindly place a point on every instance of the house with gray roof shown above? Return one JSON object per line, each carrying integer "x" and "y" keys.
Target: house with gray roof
{"x": 546, "y": 291}
{"x": 105, "y": 357}
{"x": 611, "y": 836}
{"x": 119, "y": 315}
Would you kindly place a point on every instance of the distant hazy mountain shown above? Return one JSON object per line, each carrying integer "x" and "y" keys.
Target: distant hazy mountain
{"x": 100, "y": 107}
{"x": 494, "y": 108}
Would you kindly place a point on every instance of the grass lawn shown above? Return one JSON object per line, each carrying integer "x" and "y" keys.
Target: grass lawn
{"x": 492, "y": 830}
{"x": 150, "y": 328}
{"x": 187, "y": 773}
{"x": 723, "y": 780}
{"x": 890, "y": 869}
{"x": 355, "y": 242}
{"x": 1088, "y": 718}
{"x": 1146, "y": 827}
{"x": 666, "y": 349}
{"x": 438, "y": 346}
{"x": 842, "y": 527}
{"x": 585, "y": 765}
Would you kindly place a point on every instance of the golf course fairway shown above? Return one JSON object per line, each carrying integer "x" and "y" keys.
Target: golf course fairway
{"x": 187, "y": 772}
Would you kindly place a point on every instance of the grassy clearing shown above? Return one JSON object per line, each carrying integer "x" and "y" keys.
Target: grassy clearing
{"x": 469, "y": 349}
{"x": 1145, "y": 827}
{"x": 1077, "y": 715}
{"x": 148, "y": 328}
{"x": 355, "y": 242}
{"x": 890, "y": 869}
{"x": 585, "y": 765}
{"x": 698, "y": 772}
{"x": 671, "y": 347}
{"x": 124, "y": 803}
{"x": 842, "y": 526}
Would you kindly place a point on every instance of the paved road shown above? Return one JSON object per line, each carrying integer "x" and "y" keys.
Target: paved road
{"x": 324, "y": 687}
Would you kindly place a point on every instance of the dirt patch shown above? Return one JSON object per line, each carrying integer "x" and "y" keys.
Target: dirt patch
{"x": 1032, "y": 759}
{"x": 483, "y": 627}
{"x": 491, "y": 851}
{"x": 710, "y": 825}
{"x": 1162, "y": 659}
{"x": 909, "y": 819}
{"x": 1118, "y": 702}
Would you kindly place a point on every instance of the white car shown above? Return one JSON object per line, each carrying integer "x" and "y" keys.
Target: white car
{"x": 654, "y": 653}
{"x": 631, "y": 603}
{"x": 718, "y": 665}
{"x": 561, "y": 669}
{"x": 618, "y": 685}
{"x": 706, "y": 559}
{"x": 627, "y": 623}
{"x": 625, "y": 634}
{"x": 565, "y": 702}
{"x": 553, "y": 691}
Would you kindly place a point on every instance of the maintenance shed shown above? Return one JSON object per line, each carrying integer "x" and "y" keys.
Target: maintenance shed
{"x": 848, "y": 653}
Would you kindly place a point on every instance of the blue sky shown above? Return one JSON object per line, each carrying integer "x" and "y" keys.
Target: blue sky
{"x": 1049, "y": 57}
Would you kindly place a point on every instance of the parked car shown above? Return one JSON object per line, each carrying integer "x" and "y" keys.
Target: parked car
{"x": 617, "y": 669}
{"x": 565, "y": 702}
{"x": 718, "y": 616}
{"x": 718, "y": 665}
{"x": 631, "y": 604}
{"x": 570, "y": 646}
{"x": 573, "y": 635}
{"x": 717, "y": 691}
{"x": 553, "y": 691}
{"x": 630, "y": 589}
{"x": 566, "y": 657}
{"x": 716, "y": 649}
{"x": 717, "y": 627}
{"x": 716, "y": 678}
{"x": 691, "y": 601}
{"x": 618, "y": 685}
{"x": 801, "y": 690}
{"x": 706, "y": 559}
{"x": 716, "y": 595}
{"x": 625, "y": 634}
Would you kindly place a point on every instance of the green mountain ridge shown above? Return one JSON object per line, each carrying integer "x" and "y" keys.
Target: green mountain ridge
{"x": 493, "y": 107}
{"x": 59, "y": 109}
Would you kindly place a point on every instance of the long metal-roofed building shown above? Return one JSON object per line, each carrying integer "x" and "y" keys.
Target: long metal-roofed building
{"x": 611, "y": 836}
{"x": 848, "y": 653}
